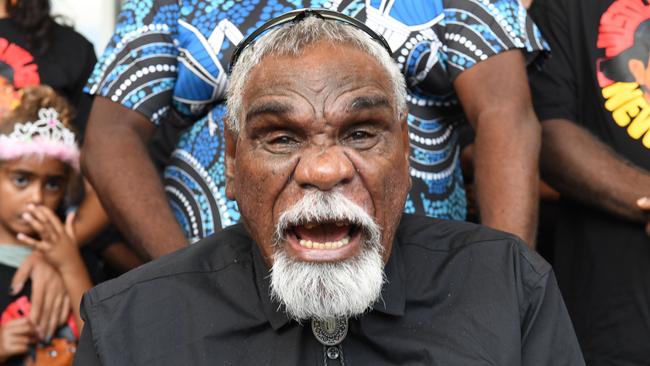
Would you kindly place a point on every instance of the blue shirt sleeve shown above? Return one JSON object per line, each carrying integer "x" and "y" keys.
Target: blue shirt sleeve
{"x": 478, "y": 29}
{"x": 139, "y": 66}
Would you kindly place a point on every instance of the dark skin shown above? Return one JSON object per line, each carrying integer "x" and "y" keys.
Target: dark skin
{"x": 566, "y": 148}
{"x": 506, "y": 148}
{"x": 315, "y": 122}
{"x": 506, "y": 131}
{"x": 89, "y": 222}
{"x": 131, "y": 196}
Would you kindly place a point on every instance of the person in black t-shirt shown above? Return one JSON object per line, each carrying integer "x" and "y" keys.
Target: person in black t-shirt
{"x": 35, "y": 49}
{"x": 596, "y": 152}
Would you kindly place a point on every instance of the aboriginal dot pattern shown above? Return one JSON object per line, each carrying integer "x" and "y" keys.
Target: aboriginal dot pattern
{"x": 174, "y": 54}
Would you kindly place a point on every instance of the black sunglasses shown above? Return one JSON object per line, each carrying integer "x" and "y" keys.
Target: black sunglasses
{"x": 298, "y": 15}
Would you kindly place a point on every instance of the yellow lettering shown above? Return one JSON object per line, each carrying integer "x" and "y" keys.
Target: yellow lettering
{"x": 641, "y": 124}
{"x": 619, "y": 94}
{"x": 627, "y": 103}
{"x": 624, "y": 114}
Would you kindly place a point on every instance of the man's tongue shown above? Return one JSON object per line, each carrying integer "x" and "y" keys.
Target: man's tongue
{"x": 322, "y": 233}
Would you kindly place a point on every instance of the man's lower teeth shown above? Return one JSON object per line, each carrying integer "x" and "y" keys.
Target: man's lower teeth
{"x": 328, "y": 245}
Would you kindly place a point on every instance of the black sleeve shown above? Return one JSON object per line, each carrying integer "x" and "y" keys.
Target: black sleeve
{"x": 86, "y": 353}
{"x": 83, "y": 101}
{"x": 547, "y": 337}
{"x": 554, "y": 87}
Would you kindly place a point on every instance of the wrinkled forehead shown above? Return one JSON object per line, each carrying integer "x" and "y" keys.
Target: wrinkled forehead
{"x": 323, "y": 70}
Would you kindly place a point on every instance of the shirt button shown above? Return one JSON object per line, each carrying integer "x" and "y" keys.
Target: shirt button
{"x": 333, "y": 353}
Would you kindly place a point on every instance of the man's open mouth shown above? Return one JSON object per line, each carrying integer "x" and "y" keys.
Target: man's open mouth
{"x": 324, "y": 235}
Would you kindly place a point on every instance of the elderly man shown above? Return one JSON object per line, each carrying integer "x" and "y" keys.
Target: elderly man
{"x": 463, "y": 61}
{"x": 325, "y": 268}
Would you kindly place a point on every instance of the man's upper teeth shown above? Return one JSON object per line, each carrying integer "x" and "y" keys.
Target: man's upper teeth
{"x": 311, "y": 225}
{"x": 327, "y": 245}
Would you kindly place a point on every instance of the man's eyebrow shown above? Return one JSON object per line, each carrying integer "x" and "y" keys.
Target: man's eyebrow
{"x": 271, "y": 107}
{"x": 367, "y": 102}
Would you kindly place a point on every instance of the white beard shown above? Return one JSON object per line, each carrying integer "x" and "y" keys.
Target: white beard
{"x": 326, "y": 290}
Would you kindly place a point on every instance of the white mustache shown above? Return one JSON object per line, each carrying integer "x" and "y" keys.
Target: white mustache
{"x": 331, "y": 206}
{"x": 324, "y": 290}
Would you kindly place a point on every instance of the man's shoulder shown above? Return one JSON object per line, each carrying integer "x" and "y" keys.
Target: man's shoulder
{"x": 450, "y": 237}
{"x": 210, "y": 255}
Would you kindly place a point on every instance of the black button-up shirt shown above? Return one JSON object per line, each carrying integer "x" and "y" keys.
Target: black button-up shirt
{"x": 457, "y": 294}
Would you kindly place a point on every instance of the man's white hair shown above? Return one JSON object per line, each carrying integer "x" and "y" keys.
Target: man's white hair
{"x": 292, "y": 39}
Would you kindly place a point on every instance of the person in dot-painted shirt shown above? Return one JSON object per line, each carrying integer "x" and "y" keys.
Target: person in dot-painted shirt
{"x": 464, "y": 62}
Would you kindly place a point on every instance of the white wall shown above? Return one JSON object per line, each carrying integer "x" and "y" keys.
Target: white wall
{"x": 95, "y": 19}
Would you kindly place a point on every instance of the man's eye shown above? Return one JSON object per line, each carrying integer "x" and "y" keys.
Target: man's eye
{"x": 360, "y": 139}
{"x": 282, "y": 140}
{"x": 359, "y": 135}
{"x": 281, "y": 144}
{"x": 20, "y": 181}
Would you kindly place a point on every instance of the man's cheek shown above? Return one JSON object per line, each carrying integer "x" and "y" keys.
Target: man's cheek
{"x": 395, "y": 187}
{"x": 257, "y": 190}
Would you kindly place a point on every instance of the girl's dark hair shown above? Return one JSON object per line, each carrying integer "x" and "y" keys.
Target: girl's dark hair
{"x": 33, "y": 17}
{"x": 32, "y": 100}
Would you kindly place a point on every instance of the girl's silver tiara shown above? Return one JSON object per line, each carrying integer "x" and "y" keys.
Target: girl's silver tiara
{"x": 45, "y": 136}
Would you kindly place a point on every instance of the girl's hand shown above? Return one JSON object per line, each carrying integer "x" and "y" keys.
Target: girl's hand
{"x": 57, "y": 243}
{"x": 55, "y": 240}
{"x": 15, "y": 337}
{"x": 49, "y": 298}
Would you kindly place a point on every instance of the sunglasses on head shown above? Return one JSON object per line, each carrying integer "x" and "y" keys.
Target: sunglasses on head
{"x": 296, "y": 16}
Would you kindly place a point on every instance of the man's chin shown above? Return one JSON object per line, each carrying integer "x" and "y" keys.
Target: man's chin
{"x": 321, "y": 290}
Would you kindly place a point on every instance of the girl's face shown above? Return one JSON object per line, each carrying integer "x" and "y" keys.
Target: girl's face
{"x": 30, "y": 180}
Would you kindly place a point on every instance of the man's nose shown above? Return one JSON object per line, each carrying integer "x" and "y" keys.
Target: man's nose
{"x": 324, "y": 168}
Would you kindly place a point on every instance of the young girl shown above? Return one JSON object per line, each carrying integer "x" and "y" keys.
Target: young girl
{"x": 38, "y": 157}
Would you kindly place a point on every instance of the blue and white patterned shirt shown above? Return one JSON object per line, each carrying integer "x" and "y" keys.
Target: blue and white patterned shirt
{"x": 175, "y": 53}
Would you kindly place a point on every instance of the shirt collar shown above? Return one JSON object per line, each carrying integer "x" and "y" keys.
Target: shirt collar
{"x": 393, "y": 294}
{"x": 272, "y": 309}
{"x": 392, "y": 301}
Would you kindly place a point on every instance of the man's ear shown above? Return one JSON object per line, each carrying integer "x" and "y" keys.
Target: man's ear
{"x": 637, "y": 69}
{"x": 231, "y": 149}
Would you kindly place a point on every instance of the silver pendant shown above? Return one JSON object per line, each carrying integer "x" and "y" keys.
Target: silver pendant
{"x": 330, "y": 332}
